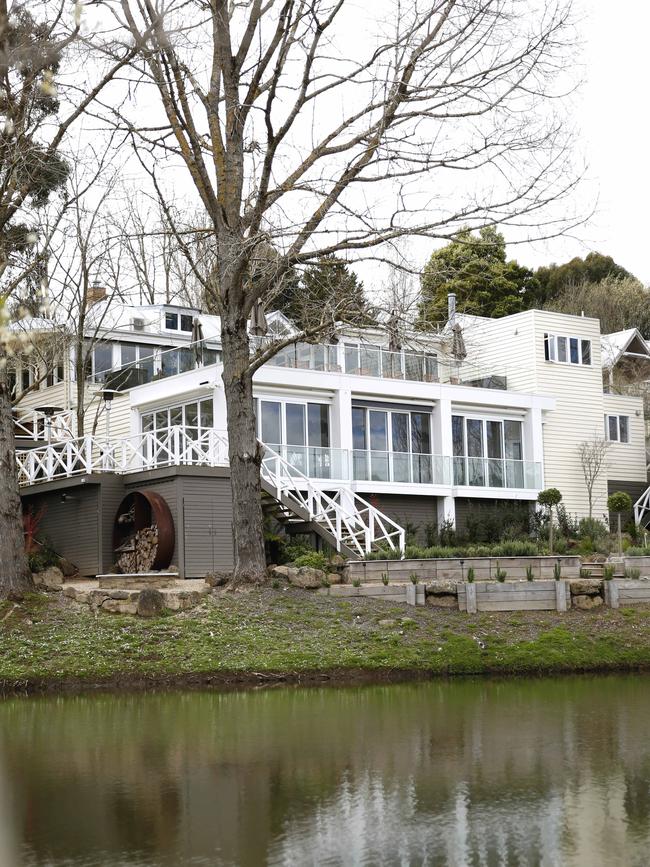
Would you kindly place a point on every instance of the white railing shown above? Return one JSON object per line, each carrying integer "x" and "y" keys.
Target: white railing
{"x": 642, "y": 507}
{"x": 350, "y": 519}
{"x": 36, "y": 425}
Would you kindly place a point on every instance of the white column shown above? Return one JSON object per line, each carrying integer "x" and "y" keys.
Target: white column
{"x": 446, "y": 510}
{"x": 443, "y": 445}
{"x": 341, "y": 428}
{"x": 534, "y": 439}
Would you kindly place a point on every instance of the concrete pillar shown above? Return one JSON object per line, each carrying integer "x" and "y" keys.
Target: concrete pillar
{"x": 446, "y": 510}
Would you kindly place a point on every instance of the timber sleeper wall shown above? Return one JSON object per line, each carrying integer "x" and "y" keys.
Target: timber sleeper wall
{"x": 514, "y": 596}
{"x": 619, "y": 592}
{"x": 484, "y": 568}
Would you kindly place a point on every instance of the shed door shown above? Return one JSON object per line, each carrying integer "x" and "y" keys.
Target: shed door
{"x": 207, "y": 534}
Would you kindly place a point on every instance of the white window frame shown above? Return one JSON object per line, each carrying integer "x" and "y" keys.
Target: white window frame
{"x": 552, "y": 349}
{"x": 168, "y": 409}
{"x": 177, "y": 314}
{"x": 618, "y": 418}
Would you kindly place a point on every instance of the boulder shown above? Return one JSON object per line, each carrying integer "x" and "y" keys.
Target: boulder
{"x": 586, "y": 603}
{"x": 337, "y": 561}
{"x": 68, "y": 568}
{"x": 586, "y": 586}
{"x": 151, "y": 603}
{"x": 446, "y": 601}
{"x": 334, "y": 578}
{"x": 50, "y": 578}
{"x": 217, "y": 579}
{"x": 119, "y": 594}
{"x": 441, "y": 587}
{"x": 307, "y": 578}
{"x": 280, "y": 572}
{"x": 120, "y": 606}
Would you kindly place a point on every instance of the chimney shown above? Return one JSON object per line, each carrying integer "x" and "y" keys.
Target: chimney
{"x": 96, "y": 293}
{"x": 451, "y": 306}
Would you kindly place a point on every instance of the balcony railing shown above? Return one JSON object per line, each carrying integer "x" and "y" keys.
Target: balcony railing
{"x": 496, "y": 473}
{"x": 181, "y": 445}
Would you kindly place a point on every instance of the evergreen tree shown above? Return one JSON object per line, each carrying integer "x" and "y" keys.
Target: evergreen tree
{"x": 328, "y": 287}
{"x": 475, "y": 268}
{"x": 555, "y": 279}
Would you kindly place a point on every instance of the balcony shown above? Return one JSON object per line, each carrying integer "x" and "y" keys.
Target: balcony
{"x": 359, "y": 360}
{"x": 496, "y": 473}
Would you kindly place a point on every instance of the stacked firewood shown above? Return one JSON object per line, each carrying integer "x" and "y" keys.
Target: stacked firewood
{"x": 139, "y": 552}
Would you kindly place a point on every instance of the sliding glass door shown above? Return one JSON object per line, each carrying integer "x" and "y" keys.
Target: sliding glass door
{"x": 299, "y": 432}
{"x": 487, "y": 452}
{"x": 391, "y": 446}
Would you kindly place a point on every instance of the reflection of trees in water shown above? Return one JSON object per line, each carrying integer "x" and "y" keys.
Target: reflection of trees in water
{"x": 498, "y": 769}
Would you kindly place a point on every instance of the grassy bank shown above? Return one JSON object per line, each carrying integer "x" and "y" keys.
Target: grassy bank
{"x": 296, "y": 636}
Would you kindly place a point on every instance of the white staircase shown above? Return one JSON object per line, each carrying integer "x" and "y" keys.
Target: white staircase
{"x": 642, "y": 509}
{"x": 349, "y": 523}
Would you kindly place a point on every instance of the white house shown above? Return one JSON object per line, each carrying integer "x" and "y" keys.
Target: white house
{"x": 360, "y": 440}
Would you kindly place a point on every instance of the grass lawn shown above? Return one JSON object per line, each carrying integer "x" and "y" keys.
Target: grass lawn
{"x": 298, "y": 636}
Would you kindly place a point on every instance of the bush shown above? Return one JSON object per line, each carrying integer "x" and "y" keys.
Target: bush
{"x": 529, "y": 573}
{"x": 443, "y": 534}
{"x": 414, "y": 578}
{"x": 487, "y": 524}
{"x": 585, "y": 573}
{"x": 557, "y": 571}
{"x": 568, "y": 525}
{"x": 561, "y": 545}
{"x": 592, "y": 528}
{"x": 42, "y": 559}
{"x": 384, "y": 579}
{"x": 470, "y": 575}
{"x": 439, "y": 552}
{"x": 633, "y": 551}
{"x": 500, "y": 574}
{"x": 633, "y": 574}
{"x": 608, "y": 572}
{"x": 297, "y": 549}
{"x": 315, "y": 560}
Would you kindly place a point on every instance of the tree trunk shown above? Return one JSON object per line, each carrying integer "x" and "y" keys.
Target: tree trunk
{"x": 550, "y": 529}
{"x": 620, "y": 537}
{"x": 15, "y": 576}
{"x": 244, "y": 453}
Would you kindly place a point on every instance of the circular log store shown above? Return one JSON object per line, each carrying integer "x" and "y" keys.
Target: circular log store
{"x": 143, "y": 533}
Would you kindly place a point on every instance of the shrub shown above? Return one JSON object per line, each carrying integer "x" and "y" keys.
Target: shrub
{"x": 633, "y": 551}
{"x": 568, "y": 525}
{"x": 275, "y": 584}
{"x": 561, "y": 545}
{"x": 500, "y": 574}
{"x": 470, "y": 574}
{"x": 619, "y": 502}
{"x": 549, "y": 498}
{"x": 41, "y": 559}
{"x": 608, "y": 572}
{"x": 414, "y": 578}
{"x": 314, "y": 559}
{"x": 585, "y": 573}
{"x": 487, "y": 524}
{"x": 557, "y": 571}
{"x": 356, "y": 582}
{"x": 293, "y": 550}
{"x": 443, "y": 534}
{"x": 633, "y": 573}
{"x": 384, "y": 579}
{"x": 529, "y": 573}
{"x": 592, "y": 528}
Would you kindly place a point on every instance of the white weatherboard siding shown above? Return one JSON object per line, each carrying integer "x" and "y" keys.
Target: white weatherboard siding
{"x": 53, "y": 395}
{"x": 502, "y": 345}
{"x": 578, "y": 414}
{"x": 626, "y": 462}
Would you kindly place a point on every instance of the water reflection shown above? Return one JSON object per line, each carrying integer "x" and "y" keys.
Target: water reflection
{"x": 469, "y": 773}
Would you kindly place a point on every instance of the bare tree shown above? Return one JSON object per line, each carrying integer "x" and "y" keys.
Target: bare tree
{"x": 593, "y": 460}
{"x": 34, "y": 41}
{"x": 295, "y": 135}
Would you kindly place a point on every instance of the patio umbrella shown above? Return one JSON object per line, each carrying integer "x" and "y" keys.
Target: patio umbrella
{"x": 458, "y": 349}
{"x": 259, "y": 325}
{"x": 392, "y": 329}
{"x": 197, "y": 341}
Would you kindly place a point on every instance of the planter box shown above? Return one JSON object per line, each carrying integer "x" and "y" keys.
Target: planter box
{"x": 642, "y": 563}
{"x": 514, "y": 596}
{"x": 450, "y": 569}
{"x": 620, "y": 592}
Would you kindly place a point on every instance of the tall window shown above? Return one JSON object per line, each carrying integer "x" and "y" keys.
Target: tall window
{"x": 391, "y": 445}
{"x": 617, "y": 428}
{"x": 196, "y": 417}
{"x": 567, "y": 350}
{"x": 300, "y": 433}
{"x": 487, "y": 452}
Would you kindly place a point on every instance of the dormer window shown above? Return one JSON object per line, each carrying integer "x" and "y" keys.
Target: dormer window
{"x": 567, "y": 350}
{"x": 178, "y": 322}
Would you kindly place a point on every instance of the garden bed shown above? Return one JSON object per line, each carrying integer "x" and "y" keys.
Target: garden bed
{"x": 457, "y": 569}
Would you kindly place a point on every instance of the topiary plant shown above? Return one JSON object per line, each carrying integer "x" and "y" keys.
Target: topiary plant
{"x": 549, "y": 498}
{"x": 619, "y": 502}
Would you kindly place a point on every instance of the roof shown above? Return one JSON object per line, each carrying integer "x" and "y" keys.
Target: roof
{"x": 628, "y": 342}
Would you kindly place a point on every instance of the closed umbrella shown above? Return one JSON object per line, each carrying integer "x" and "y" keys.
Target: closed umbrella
{"x": 458, "y": 349}
{"x": 392, "y": 328}
{"x": 259, "y": 325}
{"x": 197, "y": 341}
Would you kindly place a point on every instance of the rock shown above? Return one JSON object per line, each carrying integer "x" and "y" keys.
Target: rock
{"x": 120, "y": 606}
{"x": 386, "y": 622}
{"x": 119, "y": 594}
{"x": 151, "y": 603}
{"x": 280, "y": 572}
{"x": 334, "y": 578}
{"x": 97, "y": 597}
{"x": 68, "y": 568}
{"x": 50, "y": 578}
{"x": 217, "y": 579}
{"x": 447, "y": 601}
{"x": 337, "y": 561}
{"x": 307, "y": 578}
{"x": 586, "y": 586}
{"x": 586, "y": 603}
{"x": 440, "y": 587}
{"x": 82, "y": 597}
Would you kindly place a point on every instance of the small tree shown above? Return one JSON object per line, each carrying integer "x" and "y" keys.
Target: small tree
{"x": 592, "y": 456}
{"x": 549, "y": 498}
{"x": 619, "y": 502}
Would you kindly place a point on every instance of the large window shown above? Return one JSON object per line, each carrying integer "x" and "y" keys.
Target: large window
{"x": 196, "y": 417}
{"x": 178, "y": 321}
{"x": 617, "y": 428}
{"x": 300, "y": 433}
{"x": 391, "y": 445}
{"x": 567, "y": 350}
{"x": 487, "y": 452}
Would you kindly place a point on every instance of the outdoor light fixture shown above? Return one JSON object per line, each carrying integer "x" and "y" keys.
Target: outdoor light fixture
{"x": 48, "y": 411}
{"x": 107, "y": 396}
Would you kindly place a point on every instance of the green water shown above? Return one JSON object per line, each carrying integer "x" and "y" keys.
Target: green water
{"x": 524, "y": 772}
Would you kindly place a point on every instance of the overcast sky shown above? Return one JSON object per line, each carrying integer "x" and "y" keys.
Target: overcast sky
{"x": 613, "y": 123}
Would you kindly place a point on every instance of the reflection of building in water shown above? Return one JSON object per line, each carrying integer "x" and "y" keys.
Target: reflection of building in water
{"x": 8, "y": 842}
{"x": 462, "y": 773}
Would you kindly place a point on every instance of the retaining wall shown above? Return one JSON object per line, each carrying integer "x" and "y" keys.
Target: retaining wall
{"x": 619, "y": 592}
{"x": 514, "y": 596}
{"x": 485, "y": 568}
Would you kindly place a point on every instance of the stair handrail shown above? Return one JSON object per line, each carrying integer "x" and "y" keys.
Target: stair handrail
{"x": 353, "y": 519}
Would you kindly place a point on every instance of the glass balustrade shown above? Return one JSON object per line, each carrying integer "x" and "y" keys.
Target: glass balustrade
{"x": 496, "y": 473}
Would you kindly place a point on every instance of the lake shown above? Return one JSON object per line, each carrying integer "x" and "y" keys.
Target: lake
{"x": 470, "y": 772}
